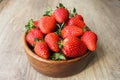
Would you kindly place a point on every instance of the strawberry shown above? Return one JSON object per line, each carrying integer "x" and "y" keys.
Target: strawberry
{"x": 47, "y": 24}
{"x": 71, "y": 31}
{"x": 90, "y": 39}
{"x": 78, "y": 16}
{"x": 41, "y": 49}
{"x": 34, "y": 33}
{"x": 73, "y": 47}
{"x": 76, "y": 19}
{"x": 35, "y": 23}
{"x": 61, "y": 14}
{"x": 52, "y": 39}
{"x": 76, "y": 22}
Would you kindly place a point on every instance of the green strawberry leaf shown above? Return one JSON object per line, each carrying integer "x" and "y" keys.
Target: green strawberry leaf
{"x": 48, "y": 12}
{"x": 72, "y": 13}
{"x": 42, "y": 39}
{"x": 85, "y": 28}
{"x": 62, "y": 57}
{"x": 57, "y": 56}
{"x": 36, "y": 39}
{"x": 29, "y": 25}
{"x": 60, "y": 45}
{"x": 60, "y": 5}
{"x": 60, "y": 26}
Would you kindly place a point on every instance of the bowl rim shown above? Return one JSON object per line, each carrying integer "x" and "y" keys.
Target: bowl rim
{"x": 32, "y": 54}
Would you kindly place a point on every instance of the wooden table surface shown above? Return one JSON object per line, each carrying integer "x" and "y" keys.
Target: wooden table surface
{"x": 102, "y": 16}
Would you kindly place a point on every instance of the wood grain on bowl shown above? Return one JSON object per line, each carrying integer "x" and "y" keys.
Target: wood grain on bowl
{"x": 61, "y": 68}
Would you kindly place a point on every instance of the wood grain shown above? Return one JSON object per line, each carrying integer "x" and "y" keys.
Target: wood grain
{"x": 102, "y": 16}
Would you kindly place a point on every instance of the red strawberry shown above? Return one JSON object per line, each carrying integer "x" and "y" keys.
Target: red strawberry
{"x": 71, "y": 31}
{"x": 47, "y": 24}
{"x": 76, "y": 19}
{"x": 61, "y": 14}
{"x": 76, "y": 22}
{"x": 79, "y": 17}
{"x": 36, "y": 23}
{"x": 90, "y": 39}
{"x": 73, "y": 47}
{"x": 32, "y": 34}
{"x": 41, "y": 49}
{"x": 52, "y": 39}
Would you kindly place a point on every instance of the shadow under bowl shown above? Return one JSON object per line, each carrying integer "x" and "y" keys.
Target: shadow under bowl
{"x": 60, "y": 68}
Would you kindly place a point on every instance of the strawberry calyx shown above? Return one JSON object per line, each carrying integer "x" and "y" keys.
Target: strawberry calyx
{"x": 60, "y": 44}
{"x": 57, "y": 56}
{"x": 48, "y": 12}
{"x": 60, "y": 26}
{"x": 85, "y": 28}
{"x": 36, "y": 39}
{"x": 29, "y": 25}
{"x": 73, "y": 13}
{"x": 60, "y": 5}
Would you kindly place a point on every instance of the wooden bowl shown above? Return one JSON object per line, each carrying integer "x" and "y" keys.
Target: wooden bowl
{"x": 60, "y": 68}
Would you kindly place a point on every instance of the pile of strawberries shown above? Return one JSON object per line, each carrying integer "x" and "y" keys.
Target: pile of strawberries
{"x": 60, "y": 35}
